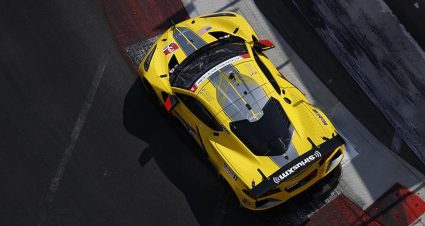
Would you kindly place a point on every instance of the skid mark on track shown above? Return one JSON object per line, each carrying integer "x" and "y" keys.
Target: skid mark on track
{"x": 78, "y": 126}
{"x": 380, "y": 56}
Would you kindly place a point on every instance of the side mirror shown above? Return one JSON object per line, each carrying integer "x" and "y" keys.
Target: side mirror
{"x": 170, "y": 102}
{"x": 263, "y": 45}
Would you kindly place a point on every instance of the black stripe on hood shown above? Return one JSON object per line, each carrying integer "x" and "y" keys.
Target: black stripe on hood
{"x": 188, "y": 40}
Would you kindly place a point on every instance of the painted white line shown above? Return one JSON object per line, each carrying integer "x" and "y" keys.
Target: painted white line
{"x": 79, "y": 124}
{"x": 350, "y": 153}
{"x": 350, "y": 150}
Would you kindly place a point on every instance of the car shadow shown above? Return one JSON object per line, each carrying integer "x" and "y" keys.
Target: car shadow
{"x": 296, "y": 211}
{"x": 182, "y": 162}
{"x": 175, "y": 18}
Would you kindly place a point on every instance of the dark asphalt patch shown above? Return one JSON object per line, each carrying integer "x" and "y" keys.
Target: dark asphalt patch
{"x": 381, "y": 59}
{"x": 312, "y": 34}
{"x": 49, "y": 52}
{"x": 299, "y": 33}
{"x": 411, "y": 14}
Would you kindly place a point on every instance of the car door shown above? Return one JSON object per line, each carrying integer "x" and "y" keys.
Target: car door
{"x": 183, "y": 114}
{"x": 200, "y": 123}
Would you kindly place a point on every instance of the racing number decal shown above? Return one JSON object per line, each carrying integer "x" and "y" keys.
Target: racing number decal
{"x": 170, "y": 48}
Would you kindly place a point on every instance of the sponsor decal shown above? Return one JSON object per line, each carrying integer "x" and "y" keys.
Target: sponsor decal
{"x": 320, "y": 117}
{"x": 291, "y": 186}
{"x": 188, "y": 128}
{"x": 170, "y": 48}
{"x": 245, "y": 55}
{"x": 294, "y": 168}
{"x": 204, "y": 92}
{"x": 193, "y": 88}
{"x": 204, "y": 29}
{"x": 230, "y": 172}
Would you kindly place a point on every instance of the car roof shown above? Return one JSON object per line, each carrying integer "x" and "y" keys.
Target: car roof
{"x": 236, "y": 91}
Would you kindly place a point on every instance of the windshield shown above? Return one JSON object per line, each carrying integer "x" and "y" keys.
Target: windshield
{"x": 204, "y": 59}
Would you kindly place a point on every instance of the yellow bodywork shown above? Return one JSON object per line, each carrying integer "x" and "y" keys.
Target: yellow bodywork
{"x": 232, "y": 159}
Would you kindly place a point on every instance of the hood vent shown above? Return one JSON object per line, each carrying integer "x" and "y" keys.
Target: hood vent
{"x": 268, "y": 136}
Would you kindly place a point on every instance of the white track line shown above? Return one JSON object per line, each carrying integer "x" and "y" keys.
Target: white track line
{"x": 79, "y": 124}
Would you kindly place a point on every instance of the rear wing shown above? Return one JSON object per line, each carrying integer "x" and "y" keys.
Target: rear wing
{"x": 296, "y": 166}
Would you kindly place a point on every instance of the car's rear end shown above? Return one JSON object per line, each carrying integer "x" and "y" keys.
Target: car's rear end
{"x": 281, "y": 144}
{"x": 296, "y": 177}
{"x": 273, "y": 178}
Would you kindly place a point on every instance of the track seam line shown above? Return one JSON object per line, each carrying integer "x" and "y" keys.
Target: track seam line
{"x": 78, "y": 126}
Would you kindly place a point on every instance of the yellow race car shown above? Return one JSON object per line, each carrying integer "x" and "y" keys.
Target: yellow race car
{"x": 257, "y": 129}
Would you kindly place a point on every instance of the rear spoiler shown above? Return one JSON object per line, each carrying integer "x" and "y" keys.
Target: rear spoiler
{"x": 295, "y": 166}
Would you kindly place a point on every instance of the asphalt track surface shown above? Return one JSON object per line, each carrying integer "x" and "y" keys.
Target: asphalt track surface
{"x": 411, "y": 15}
{"x": 79, "y": 143}
{"x": 308, "y": 45}
{"x": 299, "y": 33}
